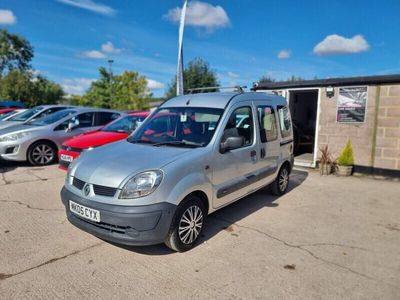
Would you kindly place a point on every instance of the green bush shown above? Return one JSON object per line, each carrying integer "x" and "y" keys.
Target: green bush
{"x": 346, "y": 158}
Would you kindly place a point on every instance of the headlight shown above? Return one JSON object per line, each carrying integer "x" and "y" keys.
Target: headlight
{"x": 13, "y": 137}
{"x": 69, "y": 178}
{"x": 141, "y": 184}
{"x": 87, "y": 149}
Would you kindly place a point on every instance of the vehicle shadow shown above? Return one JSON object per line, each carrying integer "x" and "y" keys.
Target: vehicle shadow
{"x": 229, "y": 215}
{"x": 7, "y": 166}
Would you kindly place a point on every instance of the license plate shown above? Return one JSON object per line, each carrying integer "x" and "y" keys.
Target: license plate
{"x": 84, "y": 212}
{"x": 67, "y": 158}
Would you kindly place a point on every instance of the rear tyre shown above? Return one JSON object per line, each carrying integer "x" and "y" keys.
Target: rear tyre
{"x": 281, "y": 183}
{"x": 187, "y": 225}
{"x": 42, "y": 154}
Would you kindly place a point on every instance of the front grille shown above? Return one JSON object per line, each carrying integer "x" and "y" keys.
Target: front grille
{"x": 106, "y": 226}
{"x": 72, "y": 149}
{"x": 99, "y": 190}
{"x": 64, "y": 163}
{"x": 104, "y": 190}
{"x": 79, "y": 184}
{"x": 11, "y": 150}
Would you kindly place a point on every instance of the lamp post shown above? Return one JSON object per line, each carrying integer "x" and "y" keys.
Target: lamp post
{"x": 110, "y": 62}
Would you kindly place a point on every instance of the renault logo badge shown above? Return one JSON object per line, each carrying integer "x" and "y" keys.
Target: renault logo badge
{"x": 86, "y": 190}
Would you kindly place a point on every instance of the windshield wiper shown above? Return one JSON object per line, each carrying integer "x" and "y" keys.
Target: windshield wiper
{"x": 179, "y": 144}
{"x": 140, "y": 141}
{"x": 116, "y": 130}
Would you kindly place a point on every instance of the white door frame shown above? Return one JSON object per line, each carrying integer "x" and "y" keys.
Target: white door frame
{"x": 287, "y": 92}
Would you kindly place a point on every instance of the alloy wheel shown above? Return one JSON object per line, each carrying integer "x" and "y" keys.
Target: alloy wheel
{"x": 42, "y": 154}
{"x": 190, "y": 224}
{"x": 283, "y": 179}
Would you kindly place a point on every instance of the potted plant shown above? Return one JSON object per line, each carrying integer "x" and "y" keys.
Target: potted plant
{"x": 345, "y": 161}
{"x": 325, "y": 161}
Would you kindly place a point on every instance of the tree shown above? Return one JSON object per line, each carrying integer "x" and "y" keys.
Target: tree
{"x": 31, "y": 90}
{"x": 15, "y": 52}
{"x": 294, "y": 78}
{"x": 126, "y": 91}
{"x": 266, "y": 78}
{"x": 45, "y": 92}
{"x": 197, "y": 74}
{"x": 130, "y": 91}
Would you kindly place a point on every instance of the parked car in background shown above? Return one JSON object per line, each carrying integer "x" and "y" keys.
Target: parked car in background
{"x": 38, "y": 140}
{"x": 12, "y": 113}
{"x": 4, "y": 111}
{"x": 11, "y": 104}
{"x": 115, "y": 131}
{"x": 32, "y": 114}
{"x": 188, "y": 159}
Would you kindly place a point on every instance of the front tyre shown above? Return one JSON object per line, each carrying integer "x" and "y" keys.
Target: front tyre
{"x": 281, "y": 183}
{"x": 41, "y": 154}
{"x": 187, "y": 225}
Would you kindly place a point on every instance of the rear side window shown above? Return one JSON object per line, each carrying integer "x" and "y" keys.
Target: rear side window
{"x": 104, "y": 118}
{"x": 85, "y": 120}
{"x": 284, "y": 121}
{"x": 267, "y": 121}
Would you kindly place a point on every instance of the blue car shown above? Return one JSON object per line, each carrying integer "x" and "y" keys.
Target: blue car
{"x": 11, "y": 104}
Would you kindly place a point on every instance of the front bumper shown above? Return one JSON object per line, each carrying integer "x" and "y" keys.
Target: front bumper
{"x": 127, "y": 225}
{"x": 63, "y": 165}
{"x": 13, "y": 150}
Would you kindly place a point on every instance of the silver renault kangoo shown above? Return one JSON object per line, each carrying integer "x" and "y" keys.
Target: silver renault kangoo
{"x": 192, "y": 156}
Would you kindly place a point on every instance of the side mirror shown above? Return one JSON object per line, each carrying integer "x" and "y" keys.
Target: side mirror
{"x": 231, "y": 143}
{"x": 72, "y": 124}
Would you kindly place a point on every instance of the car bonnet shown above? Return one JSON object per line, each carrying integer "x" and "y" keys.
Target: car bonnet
{"x": 110, "y": 165}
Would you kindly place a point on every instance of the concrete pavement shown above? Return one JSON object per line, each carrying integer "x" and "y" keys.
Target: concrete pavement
{"x": 327, "y": 238}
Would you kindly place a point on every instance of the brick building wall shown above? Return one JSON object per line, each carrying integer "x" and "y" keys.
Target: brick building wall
{"x": 387, "y": 153}
{"x": 382, "y": 118}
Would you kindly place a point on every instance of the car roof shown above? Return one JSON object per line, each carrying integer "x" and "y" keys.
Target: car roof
{"x": 7, "y": 109}
{"x": 12, "y": 104}
{"x": 89, "y": 109}
{"x": 221, "y": 100}
{"x": 45, "y": 106}
{"x": 139, "y": 113}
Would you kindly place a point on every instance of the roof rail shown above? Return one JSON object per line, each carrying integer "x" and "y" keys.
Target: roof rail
{"x": 237, "y": 88}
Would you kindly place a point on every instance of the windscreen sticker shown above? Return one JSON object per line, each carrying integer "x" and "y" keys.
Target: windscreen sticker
{"x": 183, "y": 117}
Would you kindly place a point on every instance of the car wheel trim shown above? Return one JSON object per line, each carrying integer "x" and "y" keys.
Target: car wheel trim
{"x": 283, "y": 179}
{"x": 190, "y": 224}
{"x": 42, "y": 154}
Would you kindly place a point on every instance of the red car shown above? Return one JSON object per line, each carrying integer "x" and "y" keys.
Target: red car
{"x": 4, "y": 111}
{"x": 112, "y": 132}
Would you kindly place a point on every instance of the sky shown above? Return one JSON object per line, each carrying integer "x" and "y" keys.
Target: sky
{"x": 242, "y": 40}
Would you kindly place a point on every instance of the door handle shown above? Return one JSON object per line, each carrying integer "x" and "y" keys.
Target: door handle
{"x": 262, "y": 153}
{"x": 253, "y": 153}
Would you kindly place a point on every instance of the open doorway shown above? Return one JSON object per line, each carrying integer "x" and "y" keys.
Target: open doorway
{"x": 303, "y": 108}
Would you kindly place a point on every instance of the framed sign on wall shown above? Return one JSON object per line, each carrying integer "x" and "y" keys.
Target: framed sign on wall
{"x": 351, "y": 104}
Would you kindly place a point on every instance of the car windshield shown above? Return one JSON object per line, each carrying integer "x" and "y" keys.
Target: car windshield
{"x": 50, "y": 119}
{"x": 179, "y": 127}
{"x": 124, "y": 125}
{"x": 26, "y": 115}
{"x": 6, "y": 115}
